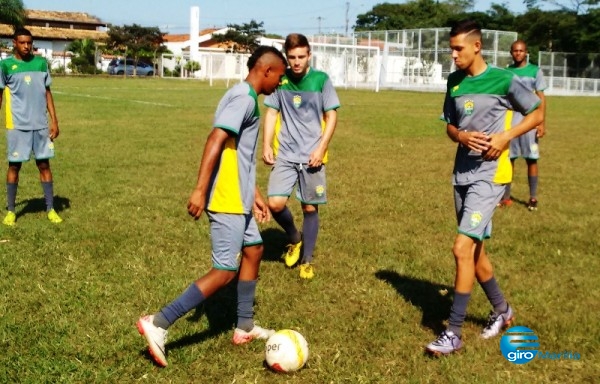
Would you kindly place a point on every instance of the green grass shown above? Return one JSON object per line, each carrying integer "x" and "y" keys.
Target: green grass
{"x": 127, "y": 160}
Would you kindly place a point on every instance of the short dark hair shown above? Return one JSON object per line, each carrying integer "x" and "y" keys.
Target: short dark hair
{"x": 466, "y": 26}
{"x": 295, "y": 40}
{"x": 21, "y": 32}
{"x": 264, "y": 50}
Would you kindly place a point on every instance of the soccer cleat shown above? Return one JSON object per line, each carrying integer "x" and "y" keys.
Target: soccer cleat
{"x": 156, "y": 337}
{"x": 497, "y": 322}
{"x": 242, "y": 337}
{"x": 53, "y": 217}
{"x": 446, "y": 343}
{"x": 505, "y": 203}
{"x": 307, "y": 271}
{"x": 292, "y": 255}
{"x": 532, "y": 204}
{"x": 10, "y": 219}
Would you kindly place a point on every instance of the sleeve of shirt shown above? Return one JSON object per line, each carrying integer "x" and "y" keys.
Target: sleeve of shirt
{"x": 521, "y": 98}
{"x": 272, "y": 100}
{"x": 2, "y": 79}
{"x": 449, "y": 110}
{"x": 232, "y": 116}
{"x": 540, "y": 82}
{"x": 330, "y": 97}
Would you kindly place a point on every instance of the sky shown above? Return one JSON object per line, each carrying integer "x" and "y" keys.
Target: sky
{"x": 173, "y": 17}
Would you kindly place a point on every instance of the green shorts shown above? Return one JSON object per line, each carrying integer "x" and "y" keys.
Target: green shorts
{"x": 229, "y": 233}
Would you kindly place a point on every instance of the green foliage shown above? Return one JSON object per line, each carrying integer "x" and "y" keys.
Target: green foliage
{"x": 192, "y": 66}
{"x": 85, "y": 58}
{"x": 136, "y": 42}
{"x": 241, "y": 38}
{"x": 12, "y": 12}
{"x": 575, "y": 7}
{"x": 125, "y": 166}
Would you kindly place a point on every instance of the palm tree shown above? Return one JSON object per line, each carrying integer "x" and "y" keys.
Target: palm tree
{"x": 12, "y": 12}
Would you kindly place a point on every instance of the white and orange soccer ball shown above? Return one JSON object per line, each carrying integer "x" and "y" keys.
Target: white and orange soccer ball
{"x": 286, "y": 351}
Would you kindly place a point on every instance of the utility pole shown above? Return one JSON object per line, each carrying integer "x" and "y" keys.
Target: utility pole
{"x": 347, "y": 18}
{"x": 320, "y": 18}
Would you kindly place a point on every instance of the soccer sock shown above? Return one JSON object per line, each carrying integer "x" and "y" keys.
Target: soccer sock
{"x": 286, "y": 221}
{"x": 189, "y": 299}
{"x": 310, "y": 230}
{"x": 11, "y": 196}
{"x": 506, "y": 192}
{"x": 246, "y": 290}
{"x": 533, "y": 184}
{"x": 494, "y": 295}
{"x": 48, "y": 187}
{"x": 458, "y": 312}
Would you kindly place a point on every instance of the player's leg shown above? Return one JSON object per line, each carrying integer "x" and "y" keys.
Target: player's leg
{"x": 532, "y": 178}
{"x": 282, "y": 179}
{"x": 312, "y": 192}
{"x": 246, "y": 330}
{"x": 18, "y": 149}
{"x": 43, "y": 151}
{"x": 227, "y": 233}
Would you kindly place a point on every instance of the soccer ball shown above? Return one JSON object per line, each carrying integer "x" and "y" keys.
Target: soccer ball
{"x": 286, "y": 351}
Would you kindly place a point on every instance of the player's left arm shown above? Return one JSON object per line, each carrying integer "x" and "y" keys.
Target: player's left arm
{"x": 261, "y": 209}
{"x": 541, "y": 128}
{"x": 316, "y": 157}
{"x": 54, "y": 131}
{"x": 499, "y": 142}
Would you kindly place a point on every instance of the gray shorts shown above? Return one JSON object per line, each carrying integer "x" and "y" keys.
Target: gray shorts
{"x": 475, "y": 204}
{"x": 525, "y": 146}
{"x": 20, "y": 144}
{"x": 229, "y": 233}
{"x": 311, "y": 182}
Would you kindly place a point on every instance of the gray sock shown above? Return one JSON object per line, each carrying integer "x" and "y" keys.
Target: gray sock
{"x": 494, "y": 295}
{"x": 285, "y": 219}
{"x": 246, "y": 291}
{"x": 190, "y": 298}
{"x": 458, "y": 312}
{"x": 310, "y": 230}
{"x": 48, "y": 187}
{"x": 11, "y": 196}
{"x": 506, "y": 191}
{"x": 533, "y": 184}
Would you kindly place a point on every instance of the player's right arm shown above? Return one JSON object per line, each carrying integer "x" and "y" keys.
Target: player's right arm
{"x": 212, "y": 153}
{"x": 268, "y": 135}
{"x": 541, "y": 129}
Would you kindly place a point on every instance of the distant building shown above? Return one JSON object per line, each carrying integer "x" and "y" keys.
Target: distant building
{"x": 53, "y": 31}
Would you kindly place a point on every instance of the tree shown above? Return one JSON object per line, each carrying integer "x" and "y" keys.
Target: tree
{"x": 572, "y": 6}
{"x": 242, "y": 38}
{"x": 12, "y": 12}
{"x": 136, "y": 42}
{"x": 84, "y": 60}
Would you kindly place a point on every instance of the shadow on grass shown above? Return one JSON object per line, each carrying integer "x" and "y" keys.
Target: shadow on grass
{"x": 275, "y": 241}
{"x": 39, "y": 205}
{"x": 433, "y": 299}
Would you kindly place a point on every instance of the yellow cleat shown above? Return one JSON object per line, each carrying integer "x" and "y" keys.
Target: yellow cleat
{"x": 10, "y": 219}
{"x": 53, "y": 217}
{"x": 292, "y": 255}
{"x": 306, "y": 271}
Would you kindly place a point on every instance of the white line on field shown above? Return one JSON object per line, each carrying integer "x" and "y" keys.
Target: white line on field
{"x": 112, "y": 98}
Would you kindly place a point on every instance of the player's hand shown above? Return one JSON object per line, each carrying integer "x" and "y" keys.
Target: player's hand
{"x": 498, "y": 143}
{"x": 268, "y": 157}
{"x": 316, "y": 158}
{"x": 541, "y": 130}
{"x": 261, "y": 209}
{"x": 475, "y": 141}
{"x": 196, "y": 204}
{"x": 53, "y": 131}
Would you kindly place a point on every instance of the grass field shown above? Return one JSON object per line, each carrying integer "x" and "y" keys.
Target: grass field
{"x": 127, "y": 160}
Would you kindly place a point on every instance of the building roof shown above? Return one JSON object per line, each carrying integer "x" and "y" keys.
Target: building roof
{"x": 62, "y": 16}
{"x": 57, "y": 33}
{"x": 182, "y": 38}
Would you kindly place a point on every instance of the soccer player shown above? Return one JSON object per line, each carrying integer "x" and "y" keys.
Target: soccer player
{"x": 526, "y": 145}
{"x": 25, "y": 82}
{"x": 226, "y": 191}
{"x": 477, "y": 108}
{"x": 299, "y": 123}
